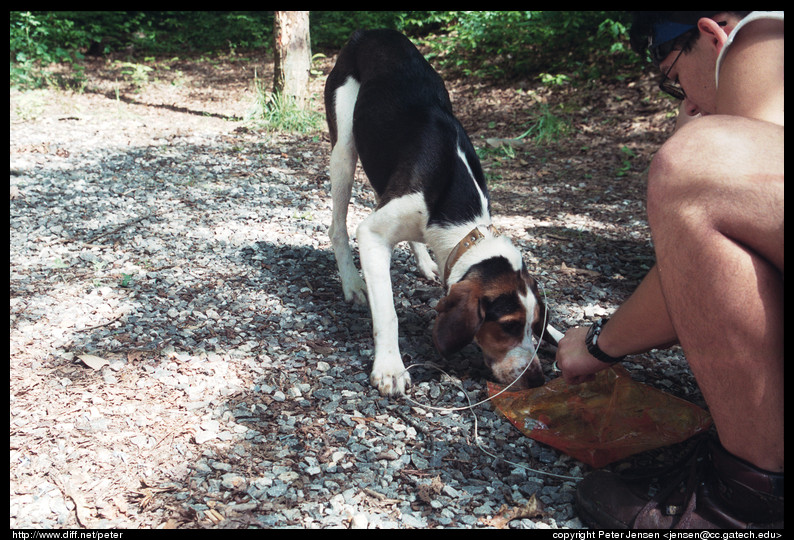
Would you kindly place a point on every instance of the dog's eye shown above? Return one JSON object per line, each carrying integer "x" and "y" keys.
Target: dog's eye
{"x": 513, "y": 328}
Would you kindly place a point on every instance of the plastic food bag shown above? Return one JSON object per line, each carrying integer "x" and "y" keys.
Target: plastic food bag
{"x": 601, "y": 421}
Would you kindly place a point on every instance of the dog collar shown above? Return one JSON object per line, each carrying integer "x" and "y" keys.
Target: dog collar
{"x": 469, "y": 241}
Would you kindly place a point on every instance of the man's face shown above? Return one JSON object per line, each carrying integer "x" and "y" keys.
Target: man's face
{"x": 694, "y": 70}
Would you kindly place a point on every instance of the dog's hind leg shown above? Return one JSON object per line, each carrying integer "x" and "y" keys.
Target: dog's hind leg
{"x": 342, "y": 170}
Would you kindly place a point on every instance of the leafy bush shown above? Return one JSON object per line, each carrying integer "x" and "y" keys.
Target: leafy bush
{"x": 38, "y": 40}
{"x": 331, "y": 29}
{"x": 494, "y": 44}
{"x": 501, "y": 44}
{"x": 202, "y": 31}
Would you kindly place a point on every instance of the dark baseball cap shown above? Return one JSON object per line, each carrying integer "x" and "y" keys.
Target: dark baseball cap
{"x": 656, "y": 31}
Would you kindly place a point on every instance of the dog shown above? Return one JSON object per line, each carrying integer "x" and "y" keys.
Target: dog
{"x": 386, "y": 106}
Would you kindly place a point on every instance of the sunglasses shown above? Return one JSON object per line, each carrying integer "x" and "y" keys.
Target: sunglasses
{"x": 669, "y": 86}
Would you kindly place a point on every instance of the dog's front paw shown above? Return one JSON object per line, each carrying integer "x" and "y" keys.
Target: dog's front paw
{"x": 390, "y": 378}
{"x": 355, "y": 291}
{"x": 424, "y": 262}
{"x": 430, "y": 271}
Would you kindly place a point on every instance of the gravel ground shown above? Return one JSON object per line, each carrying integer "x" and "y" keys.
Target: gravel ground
{"x": 181, "y": 355}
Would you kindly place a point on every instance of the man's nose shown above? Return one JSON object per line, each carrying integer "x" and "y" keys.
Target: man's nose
{"x": 690, "y": 108}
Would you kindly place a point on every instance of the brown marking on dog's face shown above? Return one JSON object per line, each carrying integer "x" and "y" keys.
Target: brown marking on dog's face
{"x": 490, "y": 306}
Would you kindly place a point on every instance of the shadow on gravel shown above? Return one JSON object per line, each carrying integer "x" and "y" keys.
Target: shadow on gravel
{"x": 173, "y": 108}
{"x": 309, "y": 277}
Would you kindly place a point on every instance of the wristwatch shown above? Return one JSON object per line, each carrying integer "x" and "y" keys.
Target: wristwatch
{"x": 592, "y": 344}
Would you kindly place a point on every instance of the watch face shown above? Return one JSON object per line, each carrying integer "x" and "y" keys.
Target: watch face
{"x": 592, "y": 344}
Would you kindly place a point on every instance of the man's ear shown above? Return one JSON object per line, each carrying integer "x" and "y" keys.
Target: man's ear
{"x": 716, "y": 34}
{"x": 459, "y": 317}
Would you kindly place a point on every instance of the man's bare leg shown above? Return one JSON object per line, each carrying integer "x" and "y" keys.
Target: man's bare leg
{"x": 715, "y": 206}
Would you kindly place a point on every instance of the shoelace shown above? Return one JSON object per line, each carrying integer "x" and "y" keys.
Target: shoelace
{"x": 690, "y": 472}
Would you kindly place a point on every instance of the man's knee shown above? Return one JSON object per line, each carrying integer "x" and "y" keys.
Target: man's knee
{"x": 723, "y": 174}
{"x": 691, "y": 163}
{"x": 669, "y": 175}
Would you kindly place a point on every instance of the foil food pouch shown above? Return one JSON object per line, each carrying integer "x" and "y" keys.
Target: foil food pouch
{"x": 601, "y": 421}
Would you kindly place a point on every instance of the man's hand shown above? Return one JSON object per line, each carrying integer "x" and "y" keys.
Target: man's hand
{"x": 577, "y": 365}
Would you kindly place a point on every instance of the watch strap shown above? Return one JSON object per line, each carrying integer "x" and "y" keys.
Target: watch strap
{"x": 592, "y": 344}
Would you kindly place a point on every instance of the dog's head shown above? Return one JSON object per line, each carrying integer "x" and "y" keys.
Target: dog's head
{"x": 497, "y": 307}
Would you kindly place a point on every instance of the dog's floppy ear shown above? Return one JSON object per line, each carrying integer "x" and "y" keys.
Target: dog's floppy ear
{"x": 459, "y": 317}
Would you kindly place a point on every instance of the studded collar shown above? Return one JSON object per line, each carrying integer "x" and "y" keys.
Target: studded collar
{"x": 469, "y": 241}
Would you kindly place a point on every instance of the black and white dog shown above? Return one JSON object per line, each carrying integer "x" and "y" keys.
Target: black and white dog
{"x": 387, "y": 106}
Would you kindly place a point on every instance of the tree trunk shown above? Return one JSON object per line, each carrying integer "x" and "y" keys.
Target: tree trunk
{"x": 293, "y": 54}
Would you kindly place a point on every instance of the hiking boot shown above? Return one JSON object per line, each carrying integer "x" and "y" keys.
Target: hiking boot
{"x": 714, "y": 490}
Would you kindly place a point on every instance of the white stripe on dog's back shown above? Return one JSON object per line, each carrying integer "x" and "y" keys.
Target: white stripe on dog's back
{"x": 483, "y": 199}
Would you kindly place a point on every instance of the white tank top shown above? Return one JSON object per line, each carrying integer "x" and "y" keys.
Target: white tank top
{"x": 753, "y": 16}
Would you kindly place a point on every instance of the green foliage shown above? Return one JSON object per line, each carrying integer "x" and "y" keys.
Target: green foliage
{"x": 276, "y": 112}
{"x": 559, "y": 47}
{"x": 126, "y": 279}
{"x": 628, "y": 156}
{"x": 559, "y": 79}
{"x": 546, "y": 127}
{"x": 556, "y": 46}
{"x": 37, "y": 41}
{"x": 40, "y": 39}
{"x": 40, "y": 32}
{"x": 506, "y": 44}
{"x": 137, "y": 73}
{"x": 202, "y": 31}
{"x": 331, "y": 29}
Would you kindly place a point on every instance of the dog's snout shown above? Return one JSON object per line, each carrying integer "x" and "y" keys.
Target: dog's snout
{"x": 511, "y": 369}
